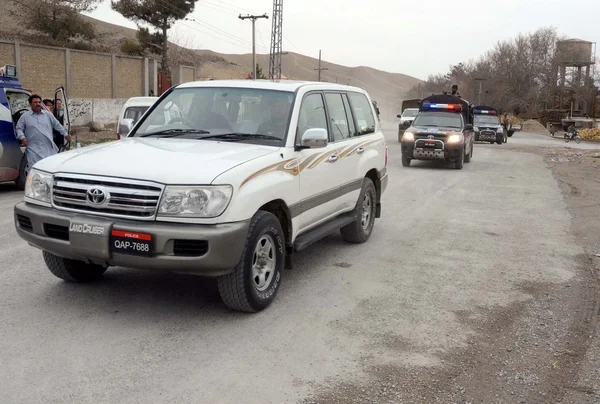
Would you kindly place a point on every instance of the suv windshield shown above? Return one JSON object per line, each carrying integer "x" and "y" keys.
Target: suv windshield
{"x": 410, "y": 113}
{"x": 438, "y": 119}
{"x": 486, "y": 119}
{"x": 224, "y": 114}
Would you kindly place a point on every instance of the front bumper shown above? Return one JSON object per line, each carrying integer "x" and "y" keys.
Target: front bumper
{"x": 450, "y": 151}
{"x": 488, "y": 137}
{"x": 208, "y": 250}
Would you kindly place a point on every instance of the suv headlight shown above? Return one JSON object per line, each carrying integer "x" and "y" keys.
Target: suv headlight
{"x": 38, "y": 186}
{"x": 455, "y": 139}
{"x": 195, "y": 202}
{"x": 408, "y": 136}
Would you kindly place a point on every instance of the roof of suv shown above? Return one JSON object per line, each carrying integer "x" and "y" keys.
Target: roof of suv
{"x": 284, "y": 85}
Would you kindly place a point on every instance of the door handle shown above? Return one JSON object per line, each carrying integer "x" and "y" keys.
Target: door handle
{"x": 333, "y": 158}
{"x": 360, "y": 150}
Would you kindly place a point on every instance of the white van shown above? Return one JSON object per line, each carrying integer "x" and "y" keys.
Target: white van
{"x": 133, "y": 109}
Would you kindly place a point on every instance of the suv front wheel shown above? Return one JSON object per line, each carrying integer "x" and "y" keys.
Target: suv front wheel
{"x": 72, "y": 270}
{"x": 254, "y": 282}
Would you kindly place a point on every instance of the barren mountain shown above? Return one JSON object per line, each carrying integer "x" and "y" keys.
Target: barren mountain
{"x": 386, "y": 88}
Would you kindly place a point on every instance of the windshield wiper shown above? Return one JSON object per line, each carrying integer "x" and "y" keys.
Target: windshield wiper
{"x": 175, "y": 132}
{"x": 241, "y": 136}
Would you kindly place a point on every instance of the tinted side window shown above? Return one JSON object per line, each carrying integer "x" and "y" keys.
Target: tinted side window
{"x": 134, "y": 113}
{"x": 349, "y": 116}
{"x": 363, "y": 113}
{"x": 312, "y": 115}
{"x": 337, "y": 116}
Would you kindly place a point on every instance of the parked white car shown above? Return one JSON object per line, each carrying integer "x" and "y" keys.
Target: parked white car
{"x": 134, "y": 109}
{"x": 251, "y": 172}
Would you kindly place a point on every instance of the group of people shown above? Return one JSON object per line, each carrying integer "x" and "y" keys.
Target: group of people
{"x": 40, "y": 131}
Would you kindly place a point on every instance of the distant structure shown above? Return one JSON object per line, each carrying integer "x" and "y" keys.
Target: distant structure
{"x": 276, "y": 41}
{"x": 573, "y": 76}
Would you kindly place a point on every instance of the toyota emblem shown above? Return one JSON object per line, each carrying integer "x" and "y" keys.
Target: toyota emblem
{"x": 430, "y": 137}
{"x": 96, "y": 196}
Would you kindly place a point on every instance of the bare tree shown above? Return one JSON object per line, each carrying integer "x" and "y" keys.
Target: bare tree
{"x": 59, "y": 19}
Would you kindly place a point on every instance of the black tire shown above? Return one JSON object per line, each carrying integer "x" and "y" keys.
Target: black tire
{"x": 577, "y": 139}
{"x": 468, "y": 156}
{"x": 239, "y": 289}
{"x": 71, "y": 270}
{"x": 359, "y": 231}
{"x": 405, "y": 161}
{"x": 22, "y": 174}
{"x": 460, "y": 162}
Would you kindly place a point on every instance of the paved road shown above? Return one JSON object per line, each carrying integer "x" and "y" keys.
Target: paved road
{"x": 451, "y": 244}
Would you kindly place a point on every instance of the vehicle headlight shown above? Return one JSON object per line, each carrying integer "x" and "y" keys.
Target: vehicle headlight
{"x": 455, "y": 138}
{"x": 476, "y": 128}
{"x": 196, "y": 202}
{"x": 38, "y": 186}
{"x": 500, "y": 130}
{"x": 408, "y": 136}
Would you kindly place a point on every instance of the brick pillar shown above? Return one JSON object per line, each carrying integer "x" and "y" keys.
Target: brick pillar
{"x": 146, "y": 83}
{"x": 68, "y": 71}
{"x": 18, "y": 58}
{"x": 114, "y": 76}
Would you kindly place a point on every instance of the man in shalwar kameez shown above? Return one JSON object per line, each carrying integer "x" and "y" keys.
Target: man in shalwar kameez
{"x": 34, "y": 130}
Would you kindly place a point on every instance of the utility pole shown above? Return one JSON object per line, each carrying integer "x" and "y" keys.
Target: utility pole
{"x": 253, "y": 18}
{"x": 480, "y": 80}
{"x": 320, "y": 68}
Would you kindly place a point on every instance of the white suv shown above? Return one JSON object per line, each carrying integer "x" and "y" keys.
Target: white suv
{"x": 251, "y": 172}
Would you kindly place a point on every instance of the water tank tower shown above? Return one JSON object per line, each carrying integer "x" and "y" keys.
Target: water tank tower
{"x": 575, "y": 58}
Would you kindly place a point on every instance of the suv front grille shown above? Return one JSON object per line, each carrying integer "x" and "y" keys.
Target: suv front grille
{"x": 116, "y": 197}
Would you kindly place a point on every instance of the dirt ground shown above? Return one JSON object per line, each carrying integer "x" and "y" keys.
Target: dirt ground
{"x": 544, "y": 350}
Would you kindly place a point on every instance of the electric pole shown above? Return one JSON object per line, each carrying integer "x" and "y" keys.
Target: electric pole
{"x": 253, "y": 18}
{"x": 480, "y": 80}
{"x": 276, "y": 41}
{"x": 320, "y": 68}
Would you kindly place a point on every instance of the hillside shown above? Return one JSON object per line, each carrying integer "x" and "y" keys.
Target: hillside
{"x": 384, "y": 87}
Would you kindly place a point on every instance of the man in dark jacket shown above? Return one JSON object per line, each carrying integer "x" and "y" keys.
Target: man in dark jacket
{"x": 59, "y": 139}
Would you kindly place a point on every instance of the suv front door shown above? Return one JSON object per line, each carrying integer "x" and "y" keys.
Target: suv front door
{"x": 319, "y": 181}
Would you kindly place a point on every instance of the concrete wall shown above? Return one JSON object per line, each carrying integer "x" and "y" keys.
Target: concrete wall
{"x": 188, "y": 74}
{"x": 42, "y": 69}
{"x": 7, "y": 54}
{"x": 84, "y": 111}
{"x": 91, "y": 75}
{"x": 83, "y": 74}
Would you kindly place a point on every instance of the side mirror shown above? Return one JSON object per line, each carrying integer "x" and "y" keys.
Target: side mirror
{"x": 468, "y": 127}
{"x": 125, "y": 127}
{"x": 399, "y": 116}
{"x": 314, "y": 138}
{"x": 406, "y": 124}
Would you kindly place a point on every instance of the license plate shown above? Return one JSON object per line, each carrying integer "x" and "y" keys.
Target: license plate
{"x": 429, "y": 143}
{"x": 130, "y": 242}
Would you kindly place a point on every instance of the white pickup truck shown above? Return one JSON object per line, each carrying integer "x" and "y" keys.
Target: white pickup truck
{"x": 246, "y": 174}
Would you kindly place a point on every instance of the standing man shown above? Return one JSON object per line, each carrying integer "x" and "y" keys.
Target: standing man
{"x": 34, "y": 130}
{"x": 455, "y": 90}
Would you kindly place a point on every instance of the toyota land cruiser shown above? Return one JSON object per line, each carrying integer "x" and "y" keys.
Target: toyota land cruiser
{"x": 248, "y": 173}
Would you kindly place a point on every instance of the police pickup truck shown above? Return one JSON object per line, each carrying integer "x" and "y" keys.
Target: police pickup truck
{"x": 443, "y": 130}
{"x": 487, "y": 125}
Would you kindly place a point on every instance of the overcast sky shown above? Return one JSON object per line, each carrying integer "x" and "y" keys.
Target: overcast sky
{"x": 412, "y": 37}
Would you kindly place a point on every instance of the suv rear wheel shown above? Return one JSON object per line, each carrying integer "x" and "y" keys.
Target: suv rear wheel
{"x": 360, "y": 230}
{"x": 254, "y": 282}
